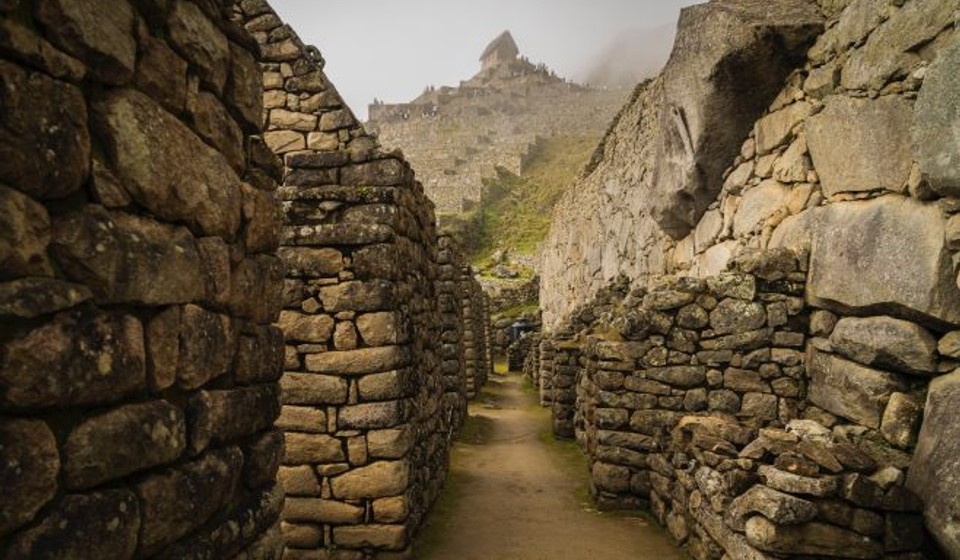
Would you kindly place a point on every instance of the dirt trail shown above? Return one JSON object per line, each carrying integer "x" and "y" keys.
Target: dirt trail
{"x": 514, "y": 494}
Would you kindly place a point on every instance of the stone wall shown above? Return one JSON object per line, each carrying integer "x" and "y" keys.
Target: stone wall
{"x": 452, "y": 303}
{"x": 478, "y": 360}
{"x": 750, "y": 423}
{"x": 853, "y": 163}
{"x": 138, "y": 283}
{"x": 373, "y": 388}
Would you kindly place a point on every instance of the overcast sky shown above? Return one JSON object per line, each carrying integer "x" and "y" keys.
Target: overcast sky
{"x": 392, "y": 49}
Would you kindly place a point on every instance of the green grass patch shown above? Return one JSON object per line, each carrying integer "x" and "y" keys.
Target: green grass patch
{"x": 517, "y": 209}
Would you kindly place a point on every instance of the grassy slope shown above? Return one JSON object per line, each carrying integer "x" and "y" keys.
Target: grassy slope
{"x": 517, "y": 210}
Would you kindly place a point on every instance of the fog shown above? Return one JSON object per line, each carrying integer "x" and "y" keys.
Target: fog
{"x": 392, "y": 49}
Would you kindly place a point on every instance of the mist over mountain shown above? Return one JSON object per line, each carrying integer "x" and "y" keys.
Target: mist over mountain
{"x": 631, "y": 56}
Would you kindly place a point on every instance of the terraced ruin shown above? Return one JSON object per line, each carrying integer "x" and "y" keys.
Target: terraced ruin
{"x": 230, "y": 327}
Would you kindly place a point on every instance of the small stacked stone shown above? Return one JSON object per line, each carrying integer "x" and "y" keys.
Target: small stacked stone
{"x": 138, "y": 284}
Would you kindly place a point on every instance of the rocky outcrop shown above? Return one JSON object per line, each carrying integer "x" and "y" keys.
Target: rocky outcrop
{"x": 139, "y": 370}
{"x": 708, "y": 107}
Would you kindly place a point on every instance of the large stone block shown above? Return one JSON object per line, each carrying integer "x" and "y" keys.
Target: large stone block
{"x": 125, "y": 440}
{"x": 176, "y": 502}
{"x": 377, "y": 480}
{"x": 936, "y": 123}
{"x": 871, "y": 132}
{"x": 891, "y": 51}
{"x": 390, "y": 537}
{"x": 28, "y": 471}
{"x": 144, "y": 143}
{"x": 256, "y": 288}
{"x": 317, "y": 510}
{"x": 312, "y": 448}
{"x": 218, "y": 417}
{"x": 96, "y": 525}
{"x": 758, "y": 204}
{"x": 29, "y": 298}
{"x": 358, "y": 296}
{"x": 300, "y": 327}
{"x": 883, "y": 256}
{"x": 360, "y": 361}
{"x": 371, "y": 415}
{"x": 313, "y": 388}
{"x": 24, "y": 236}
{"x": 850, "y": 390}
{"x": 818, "y": 539}
{"x": 781, "y": 508}
{"x": 934, "y": 474}
{"x": 737, "y": 316}
{"x": 260, "y": 355}
{"x": 128, "y": 259}
{"x": 76, "y": 359}
{"x": 162, "y": 74}
{"x": 200, "y": 41}
{"x": 208, "y": 344}
{"x": 42, "y": 161}
{"x": 887, "y": 343}
{"x": 709, "y": 104}
{"x": 102, "y": 35}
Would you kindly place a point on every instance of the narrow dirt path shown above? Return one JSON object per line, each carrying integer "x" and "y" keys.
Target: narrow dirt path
{"x": 516, "y": 494}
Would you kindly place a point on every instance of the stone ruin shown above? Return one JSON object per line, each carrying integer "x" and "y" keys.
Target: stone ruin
{"x": 457, "y": 136}
{"x": 212, "y": 282}
{"x": 763, "y": 352}
{"x": 229, "y": 328}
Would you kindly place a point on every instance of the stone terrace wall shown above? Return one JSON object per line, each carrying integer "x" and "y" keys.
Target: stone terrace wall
{"x": 720, "y": 404}
{"x": 476, "y": 333}
{"x": 138, "y": 284}
{"x": 367, "y": 409}
{"x": 452, "y": 302}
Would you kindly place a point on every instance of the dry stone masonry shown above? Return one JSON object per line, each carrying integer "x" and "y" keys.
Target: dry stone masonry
{"x": 380, "y": 320}
{"x": 775, "y": 381}
{"x": 138, "y": 283}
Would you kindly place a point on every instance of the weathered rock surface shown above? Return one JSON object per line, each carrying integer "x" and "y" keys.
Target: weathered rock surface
{"x": 886, "y": 343}
{"x": 42, "y": 161}
{"x": 127, "y": 258}
{"x": 28, "y": 472}
{"x": 872, "y": 133}
{"x": 707, "y": 110}
{"x": 143, "y": 141}
{"x": 24, "y": 236}
{"x": 810, "y": 539}
{"x": 850, "y": 390}
{"x": 781, "y": 508}
{"x": 884, "y": 256}
{"x": 936, "y": 134}
{"x": 51, "y": 367}
{"x": 934, "y": 473}
{"x": 153, "y": 433}
{"x": 97, "y": 525}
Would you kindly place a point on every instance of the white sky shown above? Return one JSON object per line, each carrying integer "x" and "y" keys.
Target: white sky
{"x": 392, "y": 49}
